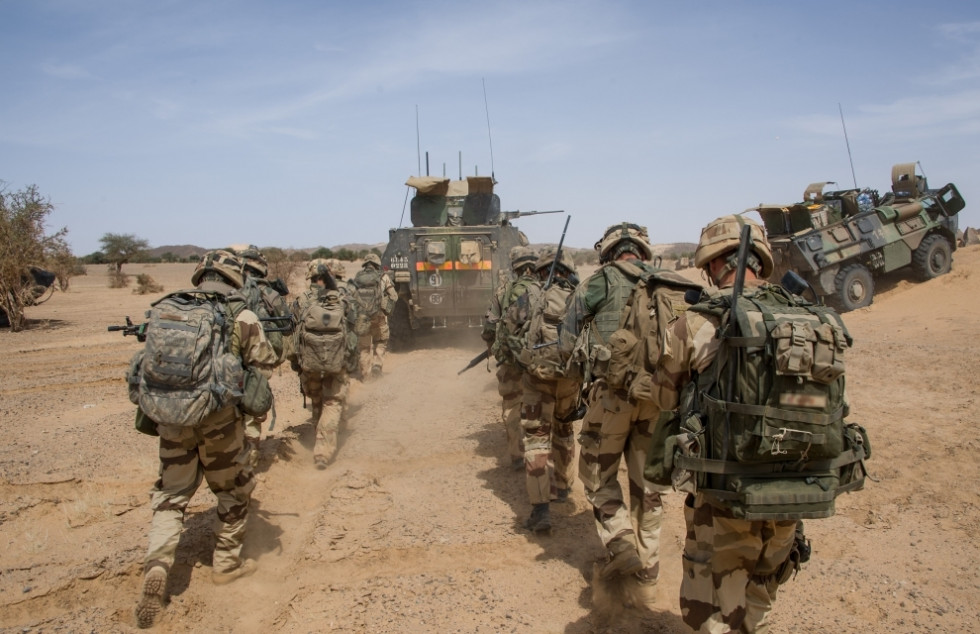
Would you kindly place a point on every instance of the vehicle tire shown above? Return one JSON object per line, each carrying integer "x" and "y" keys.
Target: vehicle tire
{"x": 855, "y": 287}
{"x": 933, "y": 257}
{"x": 400, "y": 327}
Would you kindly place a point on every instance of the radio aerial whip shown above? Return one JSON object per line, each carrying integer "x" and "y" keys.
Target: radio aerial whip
{"x": 486, "y": 109}
{"x": 848, "y": 144}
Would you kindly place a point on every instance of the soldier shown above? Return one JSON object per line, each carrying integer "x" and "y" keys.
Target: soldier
{"x": 266, "y": 299}
{"x": 616, "y": 426}
{"x": 550, "y": 390}
{"x": 376, "y": 298}
{"x": 210, "y": 450}
{"x": 321, "y": 356}
{"x": 733, "y": 566}
{"x": 509, "y": 374}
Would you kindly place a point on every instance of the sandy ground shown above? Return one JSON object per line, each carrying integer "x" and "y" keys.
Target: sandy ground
{"x": 416, "y": 525}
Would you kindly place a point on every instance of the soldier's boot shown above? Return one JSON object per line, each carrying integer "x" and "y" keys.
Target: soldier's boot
{"x": 561, "y": 495}
{"x": 379, "y": 357}
{"x": 247, "y": 567}
{"x": 623, "y": 560}
{"x": 150, "y": 605}
{"x": 326, "y": 449}
{"x": 643, "y": 592}
{"x": 540, "y": 520}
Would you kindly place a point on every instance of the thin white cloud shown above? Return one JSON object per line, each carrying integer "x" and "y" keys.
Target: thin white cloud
{"x": 65, "y": 71}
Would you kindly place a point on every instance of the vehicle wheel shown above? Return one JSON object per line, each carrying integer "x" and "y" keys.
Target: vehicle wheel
{"x": 855, "y": 287}
{"x": 400, "y": 327}
{"x": 933, "y": 257}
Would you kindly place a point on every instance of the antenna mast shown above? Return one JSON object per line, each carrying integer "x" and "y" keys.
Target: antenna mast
{"x": 418, "y": 140}
{"x": 848, "y": 144}
{"x": 486, "y": 108}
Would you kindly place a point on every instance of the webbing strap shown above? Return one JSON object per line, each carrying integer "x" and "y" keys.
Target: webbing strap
{"x": 774, "y": 413}
{"x": 725, "y": 467}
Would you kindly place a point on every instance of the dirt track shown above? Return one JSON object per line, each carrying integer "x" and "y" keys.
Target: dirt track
{"x": 415, "y": 526}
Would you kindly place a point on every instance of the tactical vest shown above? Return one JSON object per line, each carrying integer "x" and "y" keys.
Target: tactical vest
{"x": 773, "y": 446}
{"x": 187, "y": 371}
{"x": 620, "y": 279}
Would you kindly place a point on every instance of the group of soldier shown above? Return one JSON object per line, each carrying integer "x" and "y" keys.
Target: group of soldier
{"x": 223, "y": 448}
{"x": 732, "y": 565}
{"x": 559, "y": 345}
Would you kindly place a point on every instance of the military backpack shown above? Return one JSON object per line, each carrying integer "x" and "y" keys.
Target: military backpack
{"x": 509, "y": 340}
{"x": 773, "y": 446}
{"x": 187, "y": 371}
{"x": 273, "y": 312}
{"x": 321, "y": 336}
{"x": 368, "y": 291}
{"x": 541, "y": 356}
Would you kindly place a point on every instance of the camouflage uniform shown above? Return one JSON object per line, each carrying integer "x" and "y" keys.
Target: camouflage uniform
{"x": 550, "y": 395}
{"x": 509, "y": 374}
{"x": 214, "y": 451}
{"x": 374, "y": 343}
{"x": 730, "y": 565}
{"x": 615, "y": 428}
{"x": 327, "y": 393}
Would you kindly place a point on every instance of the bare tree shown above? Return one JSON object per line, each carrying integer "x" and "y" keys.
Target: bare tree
{"x": 120, "y": 248}
{"x": 23, "y": 246}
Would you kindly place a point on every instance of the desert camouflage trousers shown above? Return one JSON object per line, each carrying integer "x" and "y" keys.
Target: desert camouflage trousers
{"x": 730, "y": 565}
{"x": 215, "y": 453}
{"x": 373, "y": 345}
{"x": 328, "y": 397}
{"x": 509, "y": 386}
{"x": 615, "y": 427}
{"x": 549, "y": 445}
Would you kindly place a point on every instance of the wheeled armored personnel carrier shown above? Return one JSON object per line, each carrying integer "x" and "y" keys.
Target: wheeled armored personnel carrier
{"x": 840, "y": 241}
{"x": 446, "y": 265}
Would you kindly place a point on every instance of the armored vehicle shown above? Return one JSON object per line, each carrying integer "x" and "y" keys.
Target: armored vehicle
{"x": 840, "y": 241}
{"x": 447, "y": 264}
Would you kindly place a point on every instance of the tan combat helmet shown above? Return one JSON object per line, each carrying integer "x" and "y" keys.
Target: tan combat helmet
{"x": 224, "y": 263}
{"x": 254, "y": 262}
{"x": 520, "y": 257}
{"x": 721, "y": 236}
{"x": 312, "y": 265}
{"x": 372, "y": 258}
{"x": 624, "y": 237}
{"x": 337, "y": 268}
{"x": 543, "y": 263}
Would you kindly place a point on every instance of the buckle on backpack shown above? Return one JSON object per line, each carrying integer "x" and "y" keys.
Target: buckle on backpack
{"x": 785, "y": 433}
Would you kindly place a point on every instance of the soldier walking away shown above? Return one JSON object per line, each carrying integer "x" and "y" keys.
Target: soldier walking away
{"x": 198, "y": 442}
{"x": 761, "y": 434}
{"x": 266, "y": 298}
{"x": 617, "y": 426}
{"x": 495, "y": 334}
{"x": 550, "y": 389}
{"x": 323, "y": 351}
{"x": 376, "y": 297}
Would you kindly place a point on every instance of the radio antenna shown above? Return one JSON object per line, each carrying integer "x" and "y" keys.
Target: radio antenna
{"x": 486, "y": 109}
{"x": 418, "y": 139}
{"x": 848, "y": 144}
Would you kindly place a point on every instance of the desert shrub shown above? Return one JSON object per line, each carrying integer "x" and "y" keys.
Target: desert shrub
{"x": 146, "y": 284}
{"x": 280, "y": 265}
{"x": 23, "y": 244}
{"x": 117, "y": 279}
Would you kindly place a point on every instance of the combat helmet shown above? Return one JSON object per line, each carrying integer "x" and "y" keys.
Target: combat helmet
{"x": 564, "y": 262}
{"x": 336, "y": 268}
{"x": 722, "y": 236}
{"x": 254, "y": 262}
{"x": 520, "y": 257}
{"x": 224, "y": 263}
{"x": 312, "y": 265}
{"x": 372, "y": 258}
{"x": 624, "y": 237}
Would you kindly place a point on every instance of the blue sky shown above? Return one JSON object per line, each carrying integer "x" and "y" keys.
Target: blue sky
{"x": 293, "y": 123}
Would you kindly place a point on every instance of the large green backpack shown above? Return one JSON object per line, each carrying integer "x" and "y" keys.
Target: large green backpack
{"x": 775, "y": 445}
{"x": 321, "y": 336}
{"x": 367, "y": 283}
{"x": 540, "y": 355}
{"x": 187, "y": 371}
{"x": 272, "y": 311}
{"x": 509, "y": 339}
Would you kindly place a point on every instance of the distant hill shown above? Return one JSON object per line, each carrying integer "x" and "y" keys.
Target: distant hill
{"x": 182, "y": 251}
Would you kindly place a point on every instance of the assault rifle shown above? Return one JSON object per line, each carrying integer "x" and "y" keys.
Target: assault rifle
{"x": 478, "y": 358}
{"x": 554, "y": 263}
{"x": 284, "y": 323}
{"x": 731, "y": 331}
{"x": 137, "y": 330}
